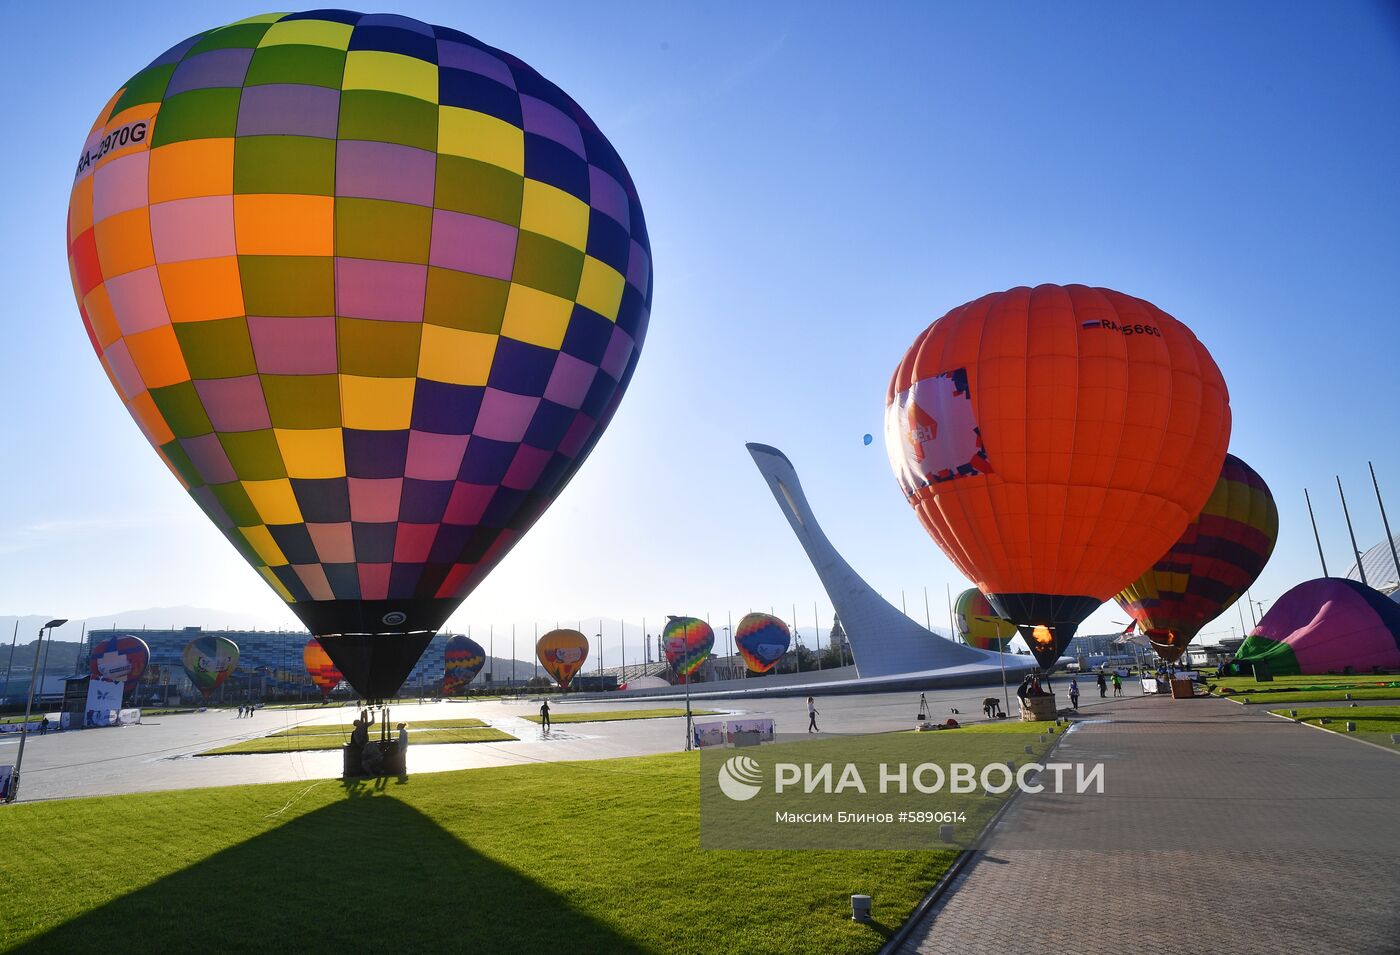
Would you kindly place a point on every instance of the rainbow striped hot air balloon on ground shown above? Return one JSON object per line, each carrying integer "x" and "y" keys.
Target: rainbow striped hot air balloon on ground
{"x": 372, "y": 289}
{"x": 1216, "y": 559}
{"x": 978, "y": 624}
{"x": 762, "y": 640}
{"x": 462, "y": 660}
{"x": 687, "y": 642}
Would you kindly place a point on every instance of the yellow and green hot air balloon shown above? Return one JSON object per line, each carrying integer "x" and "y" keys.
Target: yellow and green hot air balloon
{"x": 978, "y": 624}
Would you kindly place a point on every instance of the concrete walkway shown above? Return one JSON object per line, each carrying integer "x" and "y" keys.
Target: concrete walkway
{"x": 1221, "y": 830}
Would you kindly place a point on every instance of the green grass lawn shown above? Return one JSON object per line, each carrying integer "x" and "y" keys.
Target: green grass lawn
{"x": 608, "y": 716}
{"x": 1009, "y": 726}
{"x": 1373, "y": 723}
{"x": 290, "y": 744}
{"x": 1297, "y": 680}
{"x": 1318, "y": 696}
{"x": 597, "y": 856}
{"x": 339, "y": 729}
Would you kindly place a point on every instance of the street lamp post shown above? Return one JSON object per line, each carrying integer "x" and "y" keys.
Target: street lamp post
{"x": 29, "y": 707}
{"x": 10, "y": 666}
{"x": 689, "y": 731}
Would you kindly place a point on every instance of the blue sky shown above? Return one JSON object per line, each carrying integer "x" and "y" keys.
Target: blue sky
{"x": 820, "y": 182}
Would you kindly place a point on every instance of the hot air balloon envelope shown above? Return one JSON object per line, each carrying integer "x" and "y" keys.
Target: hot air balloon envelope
{"x": 687, "y": 642}
{"x": 461, "y": 662}
{"x": 762, "y": 640}
{"x": 1325, "y": 626}
{"x": 1054, "y": 442}
{"x": 373, "y": 290}
{"x": 320, "y": 666}
{"x": 978, "y": 624}
{"x": 120, "y": 659}
{"x": 208, "y": 662}
{"x": 1216, "y": 559}
{"x": 561, "y": 653}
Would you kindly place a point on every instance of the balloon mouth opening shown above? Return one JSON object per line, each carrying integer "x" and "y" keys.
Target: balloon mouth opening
{"x": 1047, "y": 622}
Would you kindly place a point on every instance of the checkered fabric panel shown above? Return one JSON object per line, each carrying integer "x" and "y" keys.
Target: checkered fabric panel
{"x": 372, "y": 289}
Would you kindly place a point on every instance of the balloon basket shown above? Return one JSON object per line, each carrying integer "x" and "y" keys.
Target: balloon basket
{"x": 1037, "y": 709}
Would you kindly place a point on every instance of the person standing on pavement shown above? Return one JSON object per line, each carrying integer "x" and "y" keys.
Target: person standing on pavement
{"x": 812, "y": 715}
{"x": 1117, "y": 685}
{"x": 544, "y": 714}
{"x": 1103, "y": 685}
{"x": 1074, "y": 693}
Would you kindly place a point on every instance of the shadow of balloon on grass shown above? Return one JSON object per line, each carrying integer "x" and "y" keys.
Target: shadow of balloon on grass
{"x": 364, "y": 873}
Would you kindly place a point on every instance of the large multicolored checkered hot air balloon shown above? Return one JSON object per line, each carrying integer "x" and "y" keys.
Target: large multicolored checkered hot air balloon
{"x": 1054, "y": 442}
{"x": 1327, "y": 625}
{"x": 373, "y": 290}
{"x": 120, "y": 659}
{"x": 687, "y": 642}
{"x": 208, "y": 662}
{"x": 978, "y": 624}
{"x": 561, "y": 653}
{"x": 1216, "y": 559}
{"x": 762, "y": 640}
{"x": 462, "y": 660}
{"x": 320, "y": 667}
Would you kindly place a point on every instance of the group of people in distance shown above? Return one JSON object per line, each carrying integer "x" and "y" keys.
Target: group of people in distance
{"x": 374, "y": 754}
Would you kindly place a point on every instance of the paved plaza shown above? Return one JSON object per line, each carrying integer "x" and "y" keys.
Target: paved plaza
{"x": 1223, "y": 829}
{"x": 160, "y": 752}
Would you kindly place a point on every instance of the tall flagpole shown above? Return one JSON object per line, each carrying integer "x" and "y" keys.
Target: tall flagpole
{"x": 1356, "y": 553}
{"x": 1316, "y": 536}
{"x": 1384, "y": 522}
{"x": 9, "y": 666}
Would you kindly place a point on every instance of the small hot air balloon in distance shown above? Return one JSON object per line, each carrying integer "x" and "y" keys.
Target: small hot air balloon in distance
{"x": 561, "y": 653}
{"x": 322, "y": 669}
{"x": 1217, "y": 558}
{"x": 462, "y": 660}
{"x": 373, "y": 290}
{"x": 1054, "y": 442}
{"x": 762, "y": 640}
{"x": 978, "y": 624}
{"x": 867, "y": 440}
{"x": 687, "y": 642}
{"x": 209, "y": 660}
{"x": 1325, "y": 626}
{"x": 120, "y": 659}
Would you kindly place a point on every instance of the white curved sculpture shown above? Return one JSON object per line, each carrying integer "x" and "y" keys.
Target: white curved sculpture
{"x": 883, "y": 640}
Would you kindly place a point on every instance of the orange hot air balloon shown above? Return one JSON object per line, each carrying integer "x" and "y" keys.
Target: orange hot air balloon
{"x": 1055, "y": 442}
{"x": 318, "y": 663}
{"x": 561, "y": 653}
